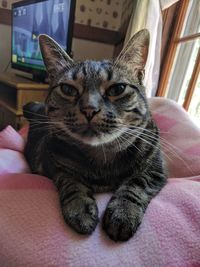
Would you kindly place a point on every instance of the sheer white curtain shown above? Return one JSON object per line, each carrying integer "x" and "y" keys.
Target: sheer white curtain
{"x": 147, "y": 14}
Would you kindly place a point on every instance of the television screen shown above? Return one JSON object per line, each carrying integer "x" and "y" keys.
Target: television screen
{"x": 29, "y": 20}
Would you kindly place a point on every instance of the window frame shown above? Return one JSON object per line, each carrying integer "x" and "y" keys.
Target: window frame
{"x": 168, "y": 60}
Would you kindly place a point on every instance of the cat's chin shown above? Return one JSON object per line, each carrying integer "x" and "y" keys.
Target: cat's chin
{"x": 99, "y": 140}
{"x": 91, "y": 140}
{"x": 90, "y": 136}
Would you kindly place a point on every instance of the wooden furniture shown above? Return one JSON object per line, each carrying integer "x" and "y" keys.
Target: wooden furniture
{"x": 16, "y": 91}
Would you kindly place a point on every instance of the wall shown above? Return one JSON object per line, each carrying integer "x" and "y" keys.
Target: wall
{"x": 5, "y": 46}
{"x": 84, "y": 49}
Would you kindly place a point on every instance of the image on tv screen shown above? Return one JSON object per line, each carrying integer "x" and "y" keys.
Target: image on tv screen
{"x": 29, "y": 21}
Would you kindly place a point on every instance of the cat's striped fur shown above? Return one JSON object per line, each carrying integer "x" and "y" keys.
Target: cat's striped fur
{"x": 95, "y": 133}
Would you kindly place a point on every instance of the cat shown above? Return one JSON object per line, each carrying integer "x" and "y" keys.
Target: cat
{"x": 95, "y": 133}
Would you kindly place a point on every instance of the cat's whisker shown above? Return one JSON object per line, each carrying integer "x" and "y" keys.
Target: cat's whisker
{"x": 105, "y": 159}
{"x": 145, "y": 141}
{"x": 150, "y": 139}
{"x": 48, "y": 126}
{"x": 44, "y": 122}
{"x": 37, "y": 114}
{"x": 118, "y": 142}
{"x": 167, "y": 146}
{"x": 133, "y": 133}
{"x": 126, "y": 140}
{"x": 34, "y": 124}
{"x": 142, "y": 128}
{"x": 155, "y": 135}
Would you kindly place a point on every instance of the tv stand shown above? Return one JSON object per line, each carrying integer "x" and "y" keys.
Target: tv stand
{"x": 39, "y": 78}
{"x": 15, "y": 92}
{"x": 24, "y": 77}
{"x": 35, "y": 78}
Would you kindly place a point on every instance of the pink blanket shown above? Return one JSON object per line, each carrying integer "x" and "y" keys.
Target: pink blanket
{"x": 33, "y": 233}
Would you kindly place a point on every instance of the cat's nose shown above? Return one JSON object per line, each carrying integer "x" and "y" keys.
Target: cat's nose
{"x": 89, "y": 112}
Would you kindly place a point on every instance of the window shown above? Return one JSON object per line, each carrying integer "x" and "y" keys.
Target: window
{"x": 180, "y": 79}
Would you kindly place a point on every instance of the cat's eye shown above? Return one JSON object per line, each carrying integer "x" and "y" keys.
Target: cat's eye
{"x": 116, "y": 89}
{"x": 69, "y": 90}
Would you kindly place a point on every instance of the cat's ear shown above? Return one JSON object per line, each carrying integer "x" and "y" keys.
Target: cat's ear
{"x": 134, "y": 54}
{"x": 55, "y": 58}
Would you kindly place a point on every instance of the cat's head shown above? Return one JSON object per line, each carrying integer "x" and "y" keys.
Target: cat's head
{"x": 97, "y": 102}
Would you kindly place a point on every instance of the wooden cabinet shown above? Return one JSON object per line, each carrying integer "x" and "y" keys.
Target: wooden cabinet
{"x": 16, "y": 91}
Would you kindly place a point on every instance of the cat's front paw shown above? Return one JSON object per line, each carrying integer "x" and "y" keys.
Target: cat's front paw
{"x": 121, "y": 219}
{"x": 81, "y": 214}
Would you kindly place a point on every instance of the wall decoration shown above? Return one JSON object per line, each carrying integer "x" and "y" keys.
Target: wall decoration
{"x": 4, "y": 3}
{"x": 7, "y": 3}
{"x": 107, "y": 14}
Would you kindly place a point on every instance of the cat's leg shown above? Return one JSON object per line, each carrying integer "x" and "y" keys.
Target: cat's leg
{"x": 126, "y": 208}
{"x": 78, "y": 206}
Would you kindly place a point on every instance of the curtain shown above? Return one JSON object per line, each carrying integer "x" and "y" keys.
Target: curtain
{"x": 147, "y": 14}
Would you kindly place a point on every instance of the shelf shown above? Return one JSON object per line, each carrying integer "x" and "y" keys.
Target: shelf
{"x": 18, "y": 82}
{"x": 15, "y": 92}
{"x": 7, "y": 105}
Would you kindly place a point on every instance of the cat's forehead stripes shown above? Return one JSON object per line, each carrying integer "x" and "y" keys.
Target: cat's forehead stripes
{"x": 99, "y": 70}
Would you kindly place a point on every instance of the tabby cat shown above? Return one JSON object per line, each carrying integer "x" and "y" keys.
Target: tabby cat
{"x": 95, "y": 133}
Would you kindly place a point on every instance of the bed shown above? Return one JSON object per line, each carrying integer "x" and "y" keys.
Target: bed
{"x": 33, "y": 232}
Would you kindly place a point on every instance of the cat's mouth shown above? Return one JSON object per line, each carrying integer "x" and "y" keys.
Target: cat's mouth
{"x": 86, "y": 130}
{"x": 92, "y": 133}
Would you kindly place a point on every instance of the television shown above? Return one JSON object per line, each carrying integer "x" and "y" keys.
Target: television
{"x": 30, "y": 18}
